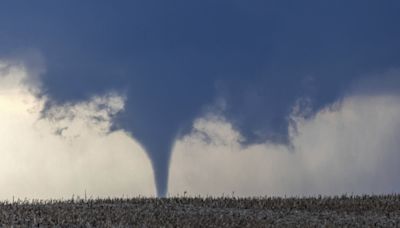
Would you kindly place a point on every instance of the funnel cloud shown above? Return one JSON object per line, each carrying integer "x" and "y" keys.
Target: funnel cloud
{"x": 174, "y": 62}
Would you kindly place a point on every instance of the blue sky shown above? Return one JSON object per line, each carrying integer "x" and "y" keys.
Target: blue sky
{"x": 173, "y": 60}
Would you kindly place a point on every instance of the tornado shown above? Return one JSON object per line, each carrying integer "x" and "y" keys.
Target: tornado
{"x": 172, "y": 61}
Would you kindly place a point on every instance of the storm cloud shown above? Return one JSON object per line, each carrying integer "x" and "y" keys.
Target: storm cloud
{"x": 172, "y": 61}
{"x": 348, "y": 146}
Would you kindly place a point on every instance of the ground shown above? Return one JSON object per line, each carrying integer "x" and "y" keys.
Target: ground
{"x": 207, "y": 212}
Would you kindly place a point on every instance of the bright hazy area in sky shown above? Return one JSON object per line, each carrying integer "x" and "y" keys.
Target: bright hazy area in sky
{"x": 69, "y": 150}
{"x": 349, "y": 147}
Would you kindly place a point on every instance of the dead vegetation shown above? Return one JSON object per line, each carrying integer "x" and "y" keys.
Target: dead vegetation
{"x": 208, "y": 212}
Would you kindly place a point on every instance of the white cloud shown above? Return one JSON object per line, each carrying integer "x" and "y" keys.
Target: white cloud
{"x": 69, "y": 151}
{"x": 351, "y": 146}
{"x": 348, "y": 147}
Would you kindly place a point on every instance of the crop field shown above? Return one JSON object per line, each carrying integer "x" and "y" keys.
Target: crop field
{"x": 352, "y": 211}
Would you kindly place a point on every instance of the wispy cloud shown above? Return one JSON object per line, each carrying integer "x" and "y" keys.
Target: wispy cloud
{"x": 350, "y": 146}
{"x": 69, "y": 150}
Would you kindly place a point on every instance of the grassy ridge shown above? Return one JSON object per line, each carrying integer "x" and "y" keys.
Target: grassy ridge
{"x": 211, "y": 212}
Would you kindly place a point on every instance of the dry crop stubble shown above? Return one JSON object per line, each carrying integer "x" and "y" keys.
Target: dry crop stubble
{"x": 344, "y": 210}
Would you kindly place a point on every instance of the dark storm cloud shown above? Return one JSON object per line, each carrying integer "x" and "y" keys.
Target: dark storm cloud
{"x": 387, "y": 82}
{"x": 173, "y": 58}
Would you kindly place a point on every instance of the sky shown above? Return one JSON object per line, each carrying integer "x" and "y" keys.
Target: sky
{"x": 276, "y": 97}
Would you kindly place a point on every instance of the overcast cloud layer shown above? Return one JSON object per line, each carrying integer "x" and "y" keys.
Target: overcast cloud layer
{"x": 68, "y": 152}
{"x": 351, "y": 146}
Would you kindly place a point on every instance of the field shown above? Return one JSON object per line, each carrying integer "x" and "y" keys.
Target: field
{"x": 208, "y": 212}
